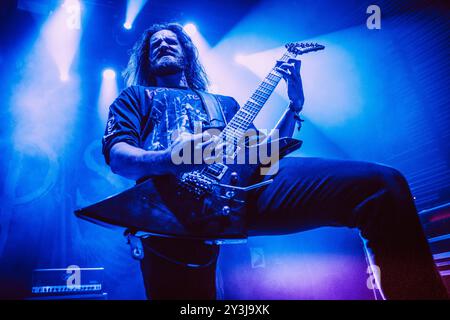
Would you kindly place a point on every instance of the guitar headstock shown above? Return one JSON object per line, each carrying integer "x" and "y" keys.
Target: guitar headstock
{"x": 299, "y": 48}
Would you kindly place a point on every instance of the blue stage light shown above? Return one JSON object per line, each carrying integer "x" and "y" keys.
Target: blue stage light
{"x": 108, "y": 92}
{"x": 133, "y": 9}
{"x": 190, "y": 28}
{"x": 127, "y": 25}
{"x": 109, "y": 74}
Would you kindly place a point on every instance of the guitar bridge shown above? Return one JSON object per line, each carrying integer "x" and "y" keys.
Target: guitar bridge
{"x": 196, "y": 183}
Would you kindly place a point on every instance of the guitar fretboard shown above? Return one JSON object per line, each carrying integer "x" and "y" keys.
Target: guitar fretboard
{"x": 241, "y": 121}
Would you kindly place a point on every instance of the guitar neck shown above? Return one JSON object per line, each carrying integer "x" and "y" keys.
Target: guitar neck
{"x": 241, "y": 121}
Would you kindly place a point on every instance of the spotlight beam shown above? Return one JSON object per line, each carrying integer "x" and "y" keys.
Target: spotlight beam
{"x": 108, "y": 92}
{"x": 133, "y": 9}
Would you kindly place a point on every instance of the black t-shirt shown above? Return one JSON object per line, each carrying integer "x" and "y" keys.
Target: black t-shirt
{"x": 146, "y": 117}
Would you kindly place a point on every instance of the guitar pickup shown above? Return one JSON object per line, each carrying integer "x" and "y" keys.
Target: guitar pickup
{"x": 216, "y": 170}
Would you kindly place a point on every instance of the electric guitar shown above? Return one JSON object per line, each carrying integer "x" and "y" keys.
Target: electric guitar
{"x": 209, "y": 203}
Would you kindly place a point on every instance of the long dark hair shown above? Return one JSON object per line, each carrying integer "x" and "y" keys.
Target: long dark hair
{"x": 138, "y": 71}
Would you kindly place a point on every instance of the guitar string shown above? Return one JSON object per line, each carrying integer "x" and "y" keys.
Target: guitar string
{"x": 240, "y": 122}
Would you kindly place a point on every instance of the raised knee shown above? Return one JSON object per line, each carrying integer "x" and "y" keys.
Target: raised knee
{"x": 378, "y": 176}
{"x": 392, "y": 175}
{"x": 389, "y": 179}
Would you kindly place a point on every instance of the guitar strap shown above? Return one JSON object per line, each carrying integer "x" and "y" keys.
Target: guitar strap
{"x": 213, "y": 109}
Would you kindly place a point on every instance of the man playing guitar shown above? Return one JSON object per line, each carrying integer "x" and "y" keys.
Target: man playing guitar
{"x": 164, "y": 78}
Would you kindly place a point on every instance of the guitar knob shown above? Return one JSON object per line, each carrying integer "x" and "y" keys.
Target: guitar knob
{"x": 230, "y": 194}
{"x": 234, "y": 178}
{"x": 226, "y": 210}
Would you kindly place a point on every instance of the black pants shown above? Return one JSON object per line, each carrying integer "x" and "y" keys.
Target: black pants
{"x": 308, "y": 193}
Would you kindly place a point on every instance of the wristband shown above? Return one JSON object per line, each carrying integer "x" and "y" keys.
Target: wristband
{"x": 297, "y": 117}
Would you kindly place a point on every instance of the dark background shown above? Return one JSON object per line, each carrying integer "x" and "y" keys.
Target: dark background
{"x": 375, "y": 95}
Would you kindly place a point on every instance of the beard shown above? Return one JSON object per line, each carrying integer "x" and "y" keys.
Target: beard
{"x": 167, "y": 65}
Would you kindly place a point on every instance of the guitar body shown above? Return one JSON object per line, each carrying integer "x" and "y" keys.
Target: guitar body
{"x": 218, "y": 212}
{"x": 208, "y": 207}
{"x": 212, "y": 202}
